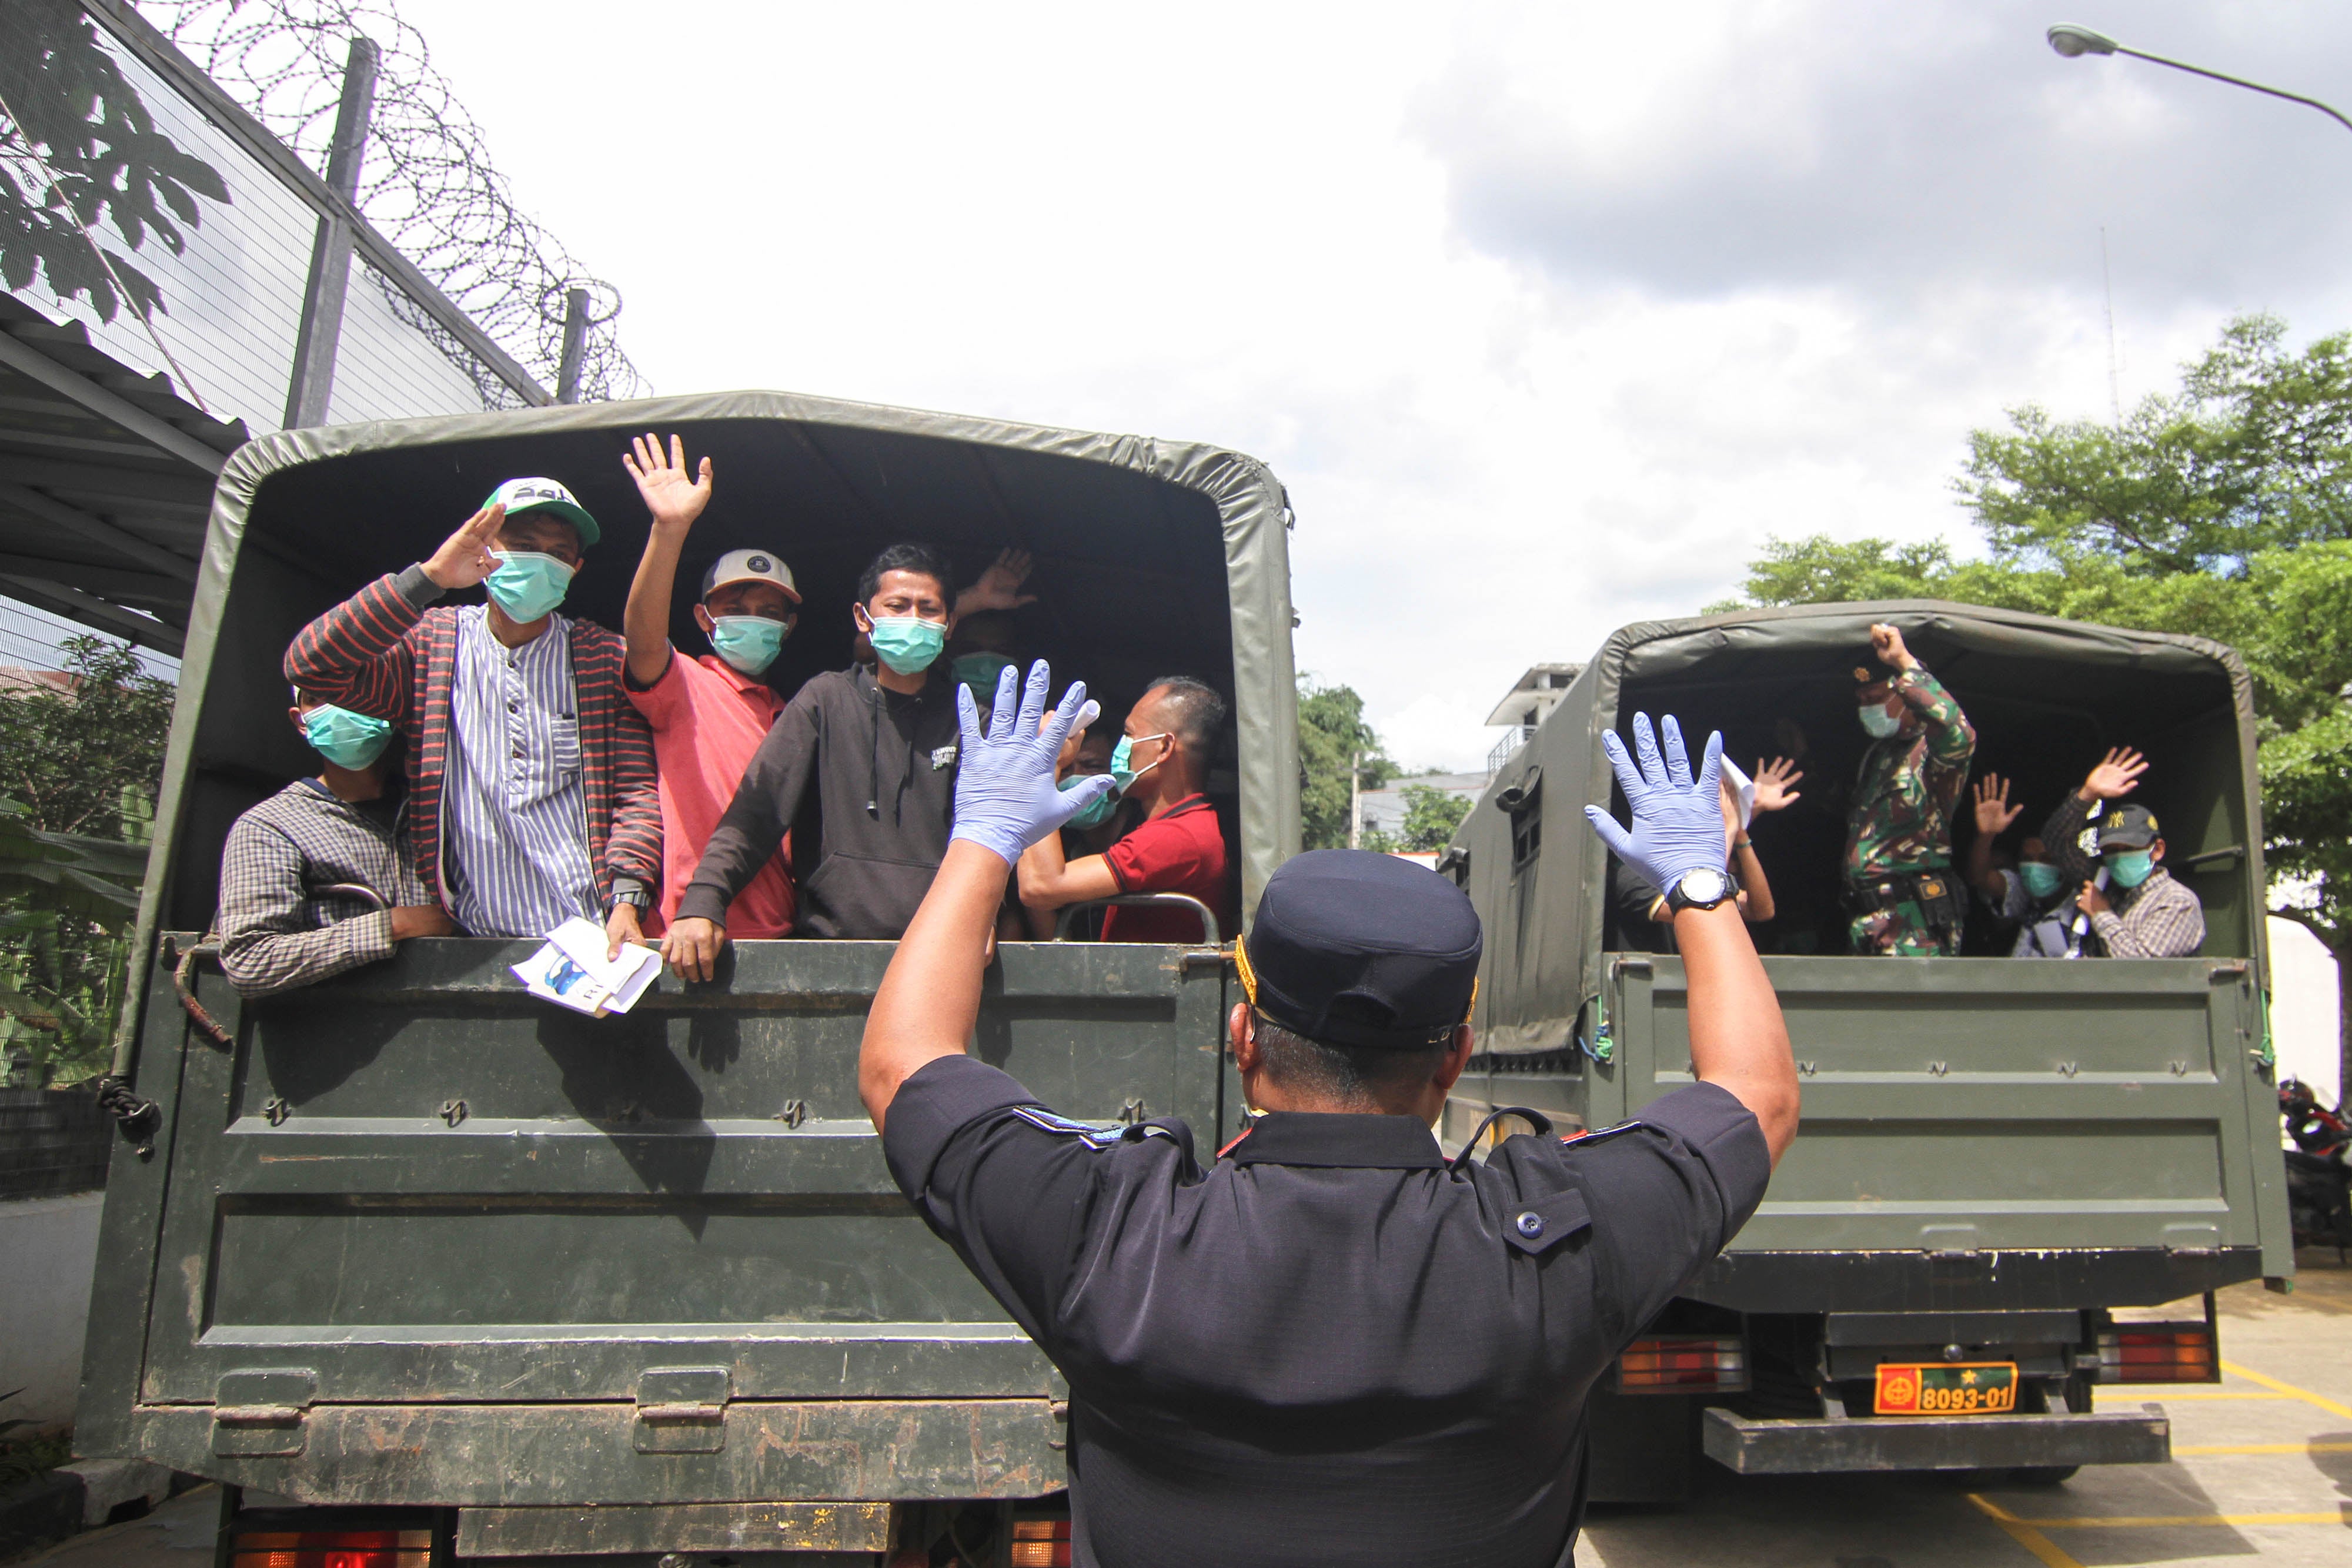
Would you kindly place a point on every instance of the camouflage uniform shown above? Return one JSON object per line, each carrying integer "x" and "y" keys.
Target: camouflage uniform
{"x": 1901, "y": 819}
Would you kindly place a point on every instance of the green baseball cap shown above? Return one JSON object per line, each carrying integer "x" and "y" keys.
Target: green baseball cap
{"x": 519, "y": 496}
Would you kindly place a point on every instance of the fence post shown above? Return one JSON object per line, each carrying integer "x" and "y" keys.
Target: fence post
{"x": 331, "y": 254}
{"x": 575, "y": 343}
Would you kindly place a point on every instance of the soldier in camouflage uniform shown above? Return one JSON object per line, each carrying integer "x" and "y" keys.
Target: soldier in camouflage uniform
{"x": 1898, "y": 848}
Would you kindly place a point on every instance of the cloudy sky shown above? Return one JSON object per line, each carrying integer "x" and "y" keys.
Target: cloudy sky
{"x": 1547, "y": 315}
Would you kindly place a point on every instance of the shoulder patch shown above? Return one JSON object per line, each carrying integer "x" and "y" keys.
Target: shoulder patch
{"x": 1093, "y": 1136}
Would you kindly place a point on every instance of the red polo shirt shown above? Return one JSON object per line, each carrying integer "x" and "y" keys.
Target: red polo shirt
{"x": 708, "y": 718}
{"x": 1182, "y": 850}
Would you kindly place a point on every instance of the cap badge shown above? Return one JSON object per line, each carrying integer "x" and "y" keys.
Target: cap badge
{"x": 759, "y": 563}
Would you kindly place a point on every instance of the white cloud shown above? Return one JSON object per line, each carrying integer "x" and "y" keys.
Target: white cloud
{"x": 1544, "y": 315}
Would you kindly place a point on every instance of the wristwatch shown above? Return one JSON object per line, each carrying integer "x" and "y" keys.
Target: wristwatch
{"x": 1701, "y": 889}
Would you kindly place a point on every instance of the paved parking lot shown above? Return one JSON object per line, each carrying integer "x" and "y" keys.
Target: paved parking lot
{"x": 2262, "y": 1469}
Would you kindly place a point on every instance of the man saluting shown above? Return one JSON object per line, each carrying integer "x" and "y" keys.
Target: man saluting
{"x": 1332, "y": 1346}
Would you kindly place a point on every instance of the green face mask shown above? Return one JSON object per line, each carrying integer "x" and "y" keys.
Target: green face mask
{"x": 528, "y": 585}
{"x": 2041, "y": 878}
{"x": 1877, "y": 721}
{"x": 908, "y": 644}
{"x": 1122, "y": 756}
{"x": 979, "y": 671}
{"x": 750, "y": 643}
{"x": 1094, "y": 814}
{"x": 345, "y": 739}
{"x": 2128, "y": 867}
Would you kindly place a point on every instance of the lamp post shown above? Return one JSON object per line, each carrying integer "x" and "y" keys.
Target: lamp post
{"x": 2075, "y": 42}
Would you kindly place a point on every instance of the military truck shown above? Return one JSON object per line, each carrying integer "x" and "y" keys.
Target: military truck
{"x": 423, "y": 1268}
{"x": 2004, "y": 1163}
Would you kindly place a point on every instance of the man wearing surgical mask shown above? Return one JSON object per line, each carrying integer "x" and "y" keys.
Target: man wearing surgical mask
{"x": 2035, "y": 895}
{"x": 2111, "y": 851}
{"x": 530, "y": 776}
{"x": 708, "y": 713}
{"x": 860, "y": 768}
{"x": 318, "y": 878}
{"x": 1900, "y": 888}
{"x": 1160, "y": 763}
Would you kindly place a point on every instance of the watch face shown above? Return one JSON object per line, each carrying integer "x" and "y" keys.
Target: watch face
{"x": 1704, "y": 886}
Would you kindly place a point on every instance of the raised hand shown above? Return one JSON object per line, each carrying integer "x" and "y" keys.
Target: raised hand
{"x": 999, "y": 587}
{"x": 1994, "y": 813}
{"x": 1887, "y": 643}
{"x": 465, "y": 558}
{"x": 1772, "y": 781}
{"x": 2116, "y": 776}
{"x": 1677, "y": 819}
{"x": 674, "y": 496}
{"x": 1005, "y": 796}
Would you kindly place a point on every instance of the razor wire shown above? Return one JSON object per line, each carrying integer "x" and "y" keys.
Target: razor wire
{"x": 427, "y": 184}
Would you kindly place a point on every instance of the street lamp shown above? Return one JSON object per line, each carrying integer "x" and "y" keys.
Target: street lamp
{"x": 2075, "y": 42}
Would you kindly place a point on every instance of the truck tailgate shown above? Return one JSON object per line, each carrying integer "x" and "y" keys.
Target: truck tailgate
{"x": 416, "y": 1217}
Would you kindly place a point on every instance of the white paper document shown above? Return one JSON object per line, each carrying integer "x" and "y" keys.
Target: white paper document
{"x": 1743, "y": 790}
{"x": 572, "y": 969}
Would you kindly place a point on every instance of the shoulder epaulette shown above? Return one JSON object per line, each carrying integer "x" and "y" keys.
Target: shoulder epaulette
{"x": 1594, "y": 1135}
{"x": 1095, "y": 1135}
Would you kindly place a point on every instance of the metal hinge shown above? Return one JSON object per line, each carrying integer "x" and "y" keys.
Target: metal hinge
{"x": 260, "y": 1412}
{"x": 683, "y": 1409}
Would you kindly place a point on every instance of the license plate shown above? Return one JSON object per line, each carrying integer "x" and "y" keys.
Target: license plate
{"x": 1947, "y": 1388}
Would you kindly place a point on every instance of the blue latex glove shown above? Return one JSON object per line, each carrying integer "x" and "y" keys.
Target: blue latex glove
{"x": 1005, "y": 798}
{"x": 1677, "y": 821}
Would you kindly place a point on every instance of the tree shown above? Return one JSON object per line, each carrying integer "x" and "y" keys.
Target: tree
{"x": 1431, "y": 815}
{"x": 1332, "y": 731}
{"x": 2222, "y": 512}
{"x": 79, "y": 775}
{"x": 73, "y": 110}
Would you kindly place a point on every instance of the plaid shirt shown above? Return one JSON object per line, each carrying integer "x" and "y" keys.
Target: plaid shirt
{"x": 384, "y": 652}
{"x": 280, "y": 926}
{"x": 2160, "y": 918}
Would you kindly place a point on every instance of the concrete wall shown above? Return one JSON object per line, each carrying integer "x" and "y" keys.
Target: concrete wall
{"x": 48, "y": 1247}
{"x": 2303, "y": 1007}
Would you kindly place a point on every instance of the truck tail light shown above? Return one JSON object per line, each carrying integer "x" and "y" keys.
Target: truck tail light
{"x": 331, "y": 1549}
{"x": 1682, "y": 1363}
{"x": 1041, "y": 1544}
{"x": 2158, "y": 1352}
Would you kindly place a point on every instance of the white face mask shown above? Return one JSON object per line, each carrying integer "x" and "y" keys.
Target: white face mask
{"x": 1877, "y": 721}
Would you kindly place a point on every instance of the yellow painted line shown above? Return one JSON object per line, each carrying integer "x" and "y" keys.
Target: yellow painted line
{"x": 2045, "y": 1550}
{"x": 2264, "y": 1448}
{"x": 2140, "y": 1393}
{"x": 2332, "y": 1406}
{"x": 2166, "y": 1520}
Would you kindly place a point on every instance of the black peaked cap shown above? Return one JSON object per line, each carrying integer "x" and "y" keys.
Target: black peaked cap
{"x": 1350, "y": 947}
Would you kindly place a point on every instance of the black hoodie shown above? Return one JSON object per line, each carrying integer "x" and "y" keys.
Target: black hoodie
{"x": 868, "y": 838}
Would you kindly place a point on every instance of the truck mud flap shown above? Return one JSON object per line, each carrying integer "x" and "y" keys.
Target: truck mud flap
{"x": 1925, "y": 1443}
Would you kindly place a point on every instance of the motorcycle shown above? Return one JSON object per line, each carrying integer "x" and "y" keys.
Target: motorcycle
{"x": 2318, "y": 1178}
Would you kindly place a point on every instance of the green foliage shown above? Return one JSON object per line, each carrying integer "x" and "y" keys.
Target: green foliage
{"x": 2251, "y": 454}
{"x": 73, "y": 108}
{"x": 79, "y": 773}
{"x": 1332, "y": 731}
{"x": 1431, "y": 815}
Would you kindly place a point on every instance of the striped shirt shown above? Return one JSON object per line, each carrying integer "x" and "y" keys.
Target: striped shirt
{"x": 281, "y": 924}
{"x": 516, "y": 850}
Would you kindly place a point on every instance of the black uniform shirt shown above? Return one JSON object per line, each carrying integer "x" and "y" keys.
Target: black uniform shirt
{"x": 1327, "y": 1348}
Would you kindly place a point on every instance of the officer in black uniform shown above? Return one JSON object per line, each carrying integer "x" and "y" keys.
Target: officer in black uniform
{"x": 1333, "y": 1345}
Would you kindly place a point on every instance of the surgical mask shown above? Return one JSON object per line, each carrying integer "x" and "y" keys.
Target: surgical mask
{"x": 2041, "y": 878}
{"x": 2128, "y": 867}
{"x": 1094, "y": 813}
{"x": 1123, "y": 754}
{"x": 750, "y": 643}
{"x": 908, "y": 644}
{"x": 1877, "y": 720}
{"x": 528, "y": 585}
{"x": 979, "y": 671}
{"x": 345, "y": 739}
